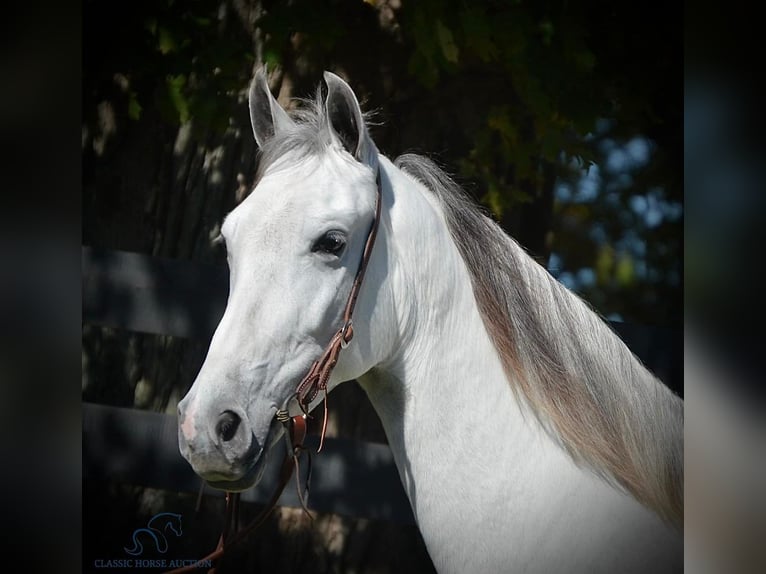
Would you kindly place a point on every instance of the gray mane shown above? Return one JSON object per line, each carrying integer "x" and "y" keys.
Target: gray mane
{"x": 579, "y": 378}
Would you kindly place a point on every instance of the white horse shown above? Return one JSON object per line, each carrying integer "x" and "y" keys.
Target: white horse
{"x": 527, "y": 436}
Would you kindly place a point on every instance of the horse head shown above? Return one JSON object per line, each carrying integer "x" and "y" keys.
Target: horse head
{"x": 293, "y": 249}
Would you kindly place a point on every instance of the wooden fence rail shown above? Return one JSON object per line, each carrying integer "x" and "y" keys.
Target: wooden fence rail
{"x": 352, "y": 478}
{"x": 143, "y": 294}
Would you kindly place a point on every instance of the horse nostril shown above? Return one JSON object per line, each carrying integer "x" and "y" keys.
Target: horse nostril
{"x": 227, "y": 425}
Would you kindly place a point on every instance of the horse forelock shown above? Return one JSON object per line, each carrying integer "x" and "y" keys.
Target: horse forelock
{"x": 310, "y": 135}
{"x": 563, "y": 360}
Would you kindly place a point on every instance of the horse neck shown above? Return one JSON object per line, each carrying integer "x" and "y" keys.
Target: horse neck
{"x": 471, "y": 456}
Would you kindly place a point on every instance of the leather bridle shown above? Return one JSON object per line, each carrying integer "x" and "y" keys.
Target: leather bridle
{"x": 318, "y": 375}
{"x": 314, "y": 382}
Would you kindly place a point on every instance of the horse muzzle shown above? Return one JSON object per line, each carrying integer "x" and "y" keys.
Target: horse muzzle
{"x": 220, "y": 445}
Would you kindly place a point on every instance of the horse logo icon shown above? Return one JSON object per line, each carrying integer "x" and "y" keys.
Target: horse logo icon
{"x": 156, "y": 529}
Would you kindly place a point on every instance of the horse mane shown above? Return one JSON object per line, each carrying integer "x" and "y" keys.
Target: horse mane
{"x": 580, "y": 380}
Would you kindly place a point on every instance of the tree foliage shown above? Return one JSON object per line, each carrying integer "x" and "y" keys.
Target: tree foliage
{"x": 508, "y": 94}
{"x": 562, "y": 117}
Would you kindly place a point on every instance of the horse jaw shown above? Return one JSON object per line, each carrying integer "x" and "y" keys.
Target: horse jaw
{"x": 284, "y": 304}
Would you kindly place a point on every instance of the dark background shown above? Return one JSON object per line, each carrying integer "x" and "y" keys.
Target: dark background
{"x": 561, "y": 118}
{"x": 44, "y": 62}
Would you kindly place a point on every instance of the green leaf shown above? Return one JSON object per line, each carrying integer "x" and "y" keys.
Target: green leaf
{"x": 272, "y": 58}
{"x": 478, "y": 33}
{"x": 625, "y": 270}
{"x": 175, "y": 86}
{"x": 202, "y": 21}
{"x": 165, "y": 41}
{"x": 499, "y": 120}
{"x": 134, "y": 108}
{"x": 446, "y": 42}
{"x": 151, "y": 25}
{"x": 585, "y": 59}
{"x": 546, "y": 31}
{"x": 494, "y": 200}
{"x": 604, "y": 264}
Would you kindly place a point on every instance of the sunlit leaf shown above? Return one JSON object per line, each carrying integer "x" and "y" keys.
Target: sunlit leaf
{"x": 151, "y": 25}
{"x": 134, "y": 108}
{"x": 494, "y": 200}
{"x": 175, "y": 86}
{"x": 546, "y": 31}
{"x": 166, "y": 43}
{"x": 446, "y": 42}
{"x": 499, "y": 120}
{"x": 625, "y": 270}
{"x": 272, "y": 57}
{"x": 604, "y": 264}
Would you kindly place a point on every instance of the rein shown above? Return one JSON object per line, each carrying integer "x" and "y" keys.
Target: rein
{"x": 314, "y": 382}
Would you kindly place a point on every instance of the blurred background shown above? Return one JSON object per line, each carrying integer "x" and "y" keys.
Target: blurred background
{"x": 87, "y": 85}
{"x": 563, "y": 119}
{"x": 95, "y": 97}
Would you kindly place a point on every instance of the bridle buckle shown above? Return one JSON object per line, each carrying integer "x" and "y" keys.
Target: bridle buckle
{"x": 346, "y": 334}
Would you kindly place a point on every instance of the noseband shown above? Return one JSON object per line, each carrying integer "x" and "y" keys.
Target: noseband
{"x": 314, "y": 382}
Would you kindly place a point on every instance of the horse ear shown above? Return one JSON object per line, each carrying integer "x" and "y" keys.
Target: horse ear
{"x": 266, "y": 115}
{"x": 347, "y": 122}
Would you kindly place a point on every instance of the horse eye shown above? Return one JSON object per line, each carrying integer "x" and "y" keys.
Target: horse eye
{"x": 331, "y": 243}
